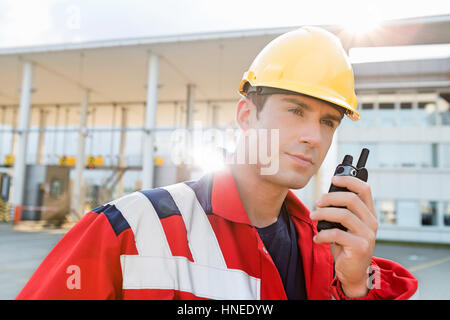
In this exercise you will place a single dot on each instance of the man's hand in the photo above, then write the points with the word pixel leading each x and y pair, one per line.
pixel 352 249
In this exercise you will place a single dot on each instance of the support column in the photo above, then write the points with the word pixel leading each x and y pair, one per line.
pixel 55 135
pixel 122 163
pixel 150 122
pixel 22 134
pixel 190 100
pixel 42 125
pixel 3 126
pixel 77 209
pixel 113 124
pixel 66 131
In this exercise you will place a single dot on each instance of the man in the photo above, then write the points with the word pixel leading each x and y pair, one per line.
pixel 241 233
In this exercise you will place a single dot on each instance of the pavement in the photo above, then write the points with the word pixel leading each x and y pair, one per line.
pixel 22 249
pixel 430 264
pixel 21 252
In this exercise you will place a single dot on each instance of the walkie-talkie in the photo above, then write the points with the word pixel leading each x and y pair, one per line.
pixel 346 169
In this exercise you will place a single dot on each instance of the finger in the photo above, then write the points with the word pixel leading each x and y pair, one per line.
pixel 344 217
pixel 359 187
pixel 342 238
pixel 352 202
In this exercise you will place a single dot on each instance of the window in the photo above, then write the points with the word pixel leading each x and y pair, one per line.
pixel 428 210
pixel 368 115
pixel 447 213
pixel 56 188
pixel 445 155
pixel 387 155
pixel 427 113
pixel 408 213
pixel 5 183
pixel 444 108
pixel 406 106
pixel 387 114
pixel 434 155
pixel 387 212
pixel 406 114
pixel 424 155
pixel 407 155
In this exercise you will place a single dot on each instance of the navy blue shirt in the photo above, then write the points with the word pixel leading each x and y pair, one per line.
pixel 280 240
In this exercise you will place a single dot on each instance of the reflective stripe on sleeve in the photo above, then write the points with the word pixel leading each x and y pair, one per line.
pixel 143 220
pixel 202 240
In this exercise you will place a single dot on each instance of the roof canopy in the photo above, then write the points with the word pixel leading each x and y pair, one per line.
pixel 116 71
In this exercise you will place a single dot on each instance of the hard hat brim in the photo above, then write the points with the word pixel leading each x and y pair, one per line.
pixel 312 91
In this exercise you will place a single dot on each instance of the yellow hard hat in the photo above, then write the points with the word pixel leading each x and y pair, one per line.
pixel 309 61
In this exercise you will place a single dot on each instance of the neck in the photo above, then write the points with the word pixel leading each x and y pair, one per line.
pixel 261 199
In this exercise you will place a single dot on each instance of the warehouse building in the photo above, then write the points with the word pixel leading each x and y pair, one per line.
pixel 119 104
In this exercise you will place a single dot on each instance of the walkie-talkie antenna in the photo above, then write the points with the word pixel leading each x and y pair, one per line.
pixel 362 158
pixel 348 159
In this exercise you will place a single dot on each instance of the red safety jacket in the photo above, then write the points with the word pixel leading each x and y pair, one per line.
pixel 191 240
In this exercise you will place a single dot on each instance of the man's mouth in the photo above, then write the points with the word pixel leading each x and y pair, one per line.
pixel 301 159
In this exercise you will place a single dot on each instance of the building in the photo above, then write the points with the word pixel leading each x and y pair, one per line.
pixel 119 103
pixel 406 124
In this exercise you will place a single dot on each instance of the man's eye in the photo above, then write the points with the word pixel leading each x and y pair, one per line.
pixel 328 123
pixel 297 111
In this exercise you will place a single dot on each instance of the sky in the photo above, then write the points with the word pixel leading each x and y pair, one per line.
pixel 31 22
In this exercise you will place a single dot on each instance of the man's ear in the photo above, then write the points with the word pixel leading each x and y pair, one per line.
pixel 243 113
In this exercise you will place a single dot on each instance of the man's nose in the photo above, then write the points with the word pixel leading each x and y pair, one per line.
pixel 310 133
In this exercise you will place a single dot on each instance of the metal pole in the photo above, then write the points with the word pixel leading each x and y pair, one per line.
pixel 42 125
pixel 150 122
pixel 66 132
pixel 3 126
pixel 77 194
pixel 55 134
pixel 122 163
pixel 24 121
pixel 14 136
pixel 190 105
pixel 190 100
pixel 113 123
pixel 92 140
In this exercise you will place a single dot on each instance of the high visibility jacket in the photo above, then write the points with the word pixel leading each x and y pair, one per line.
pixel 191 240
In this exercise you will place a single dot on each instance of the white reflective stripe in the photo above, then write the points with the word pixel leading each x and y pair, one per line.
pixel 178 273
pixel 202 240
pixel 144 221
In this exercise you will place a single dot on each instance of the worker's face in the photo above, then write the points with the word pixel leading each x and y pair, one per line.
pixel 305 128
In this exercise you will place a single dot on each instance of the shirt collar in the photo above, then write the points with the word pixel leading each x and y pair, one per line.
pixel 226 202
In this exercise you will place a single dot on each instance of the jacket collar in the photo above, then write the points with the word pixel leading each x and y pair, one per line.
pixel 226 201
